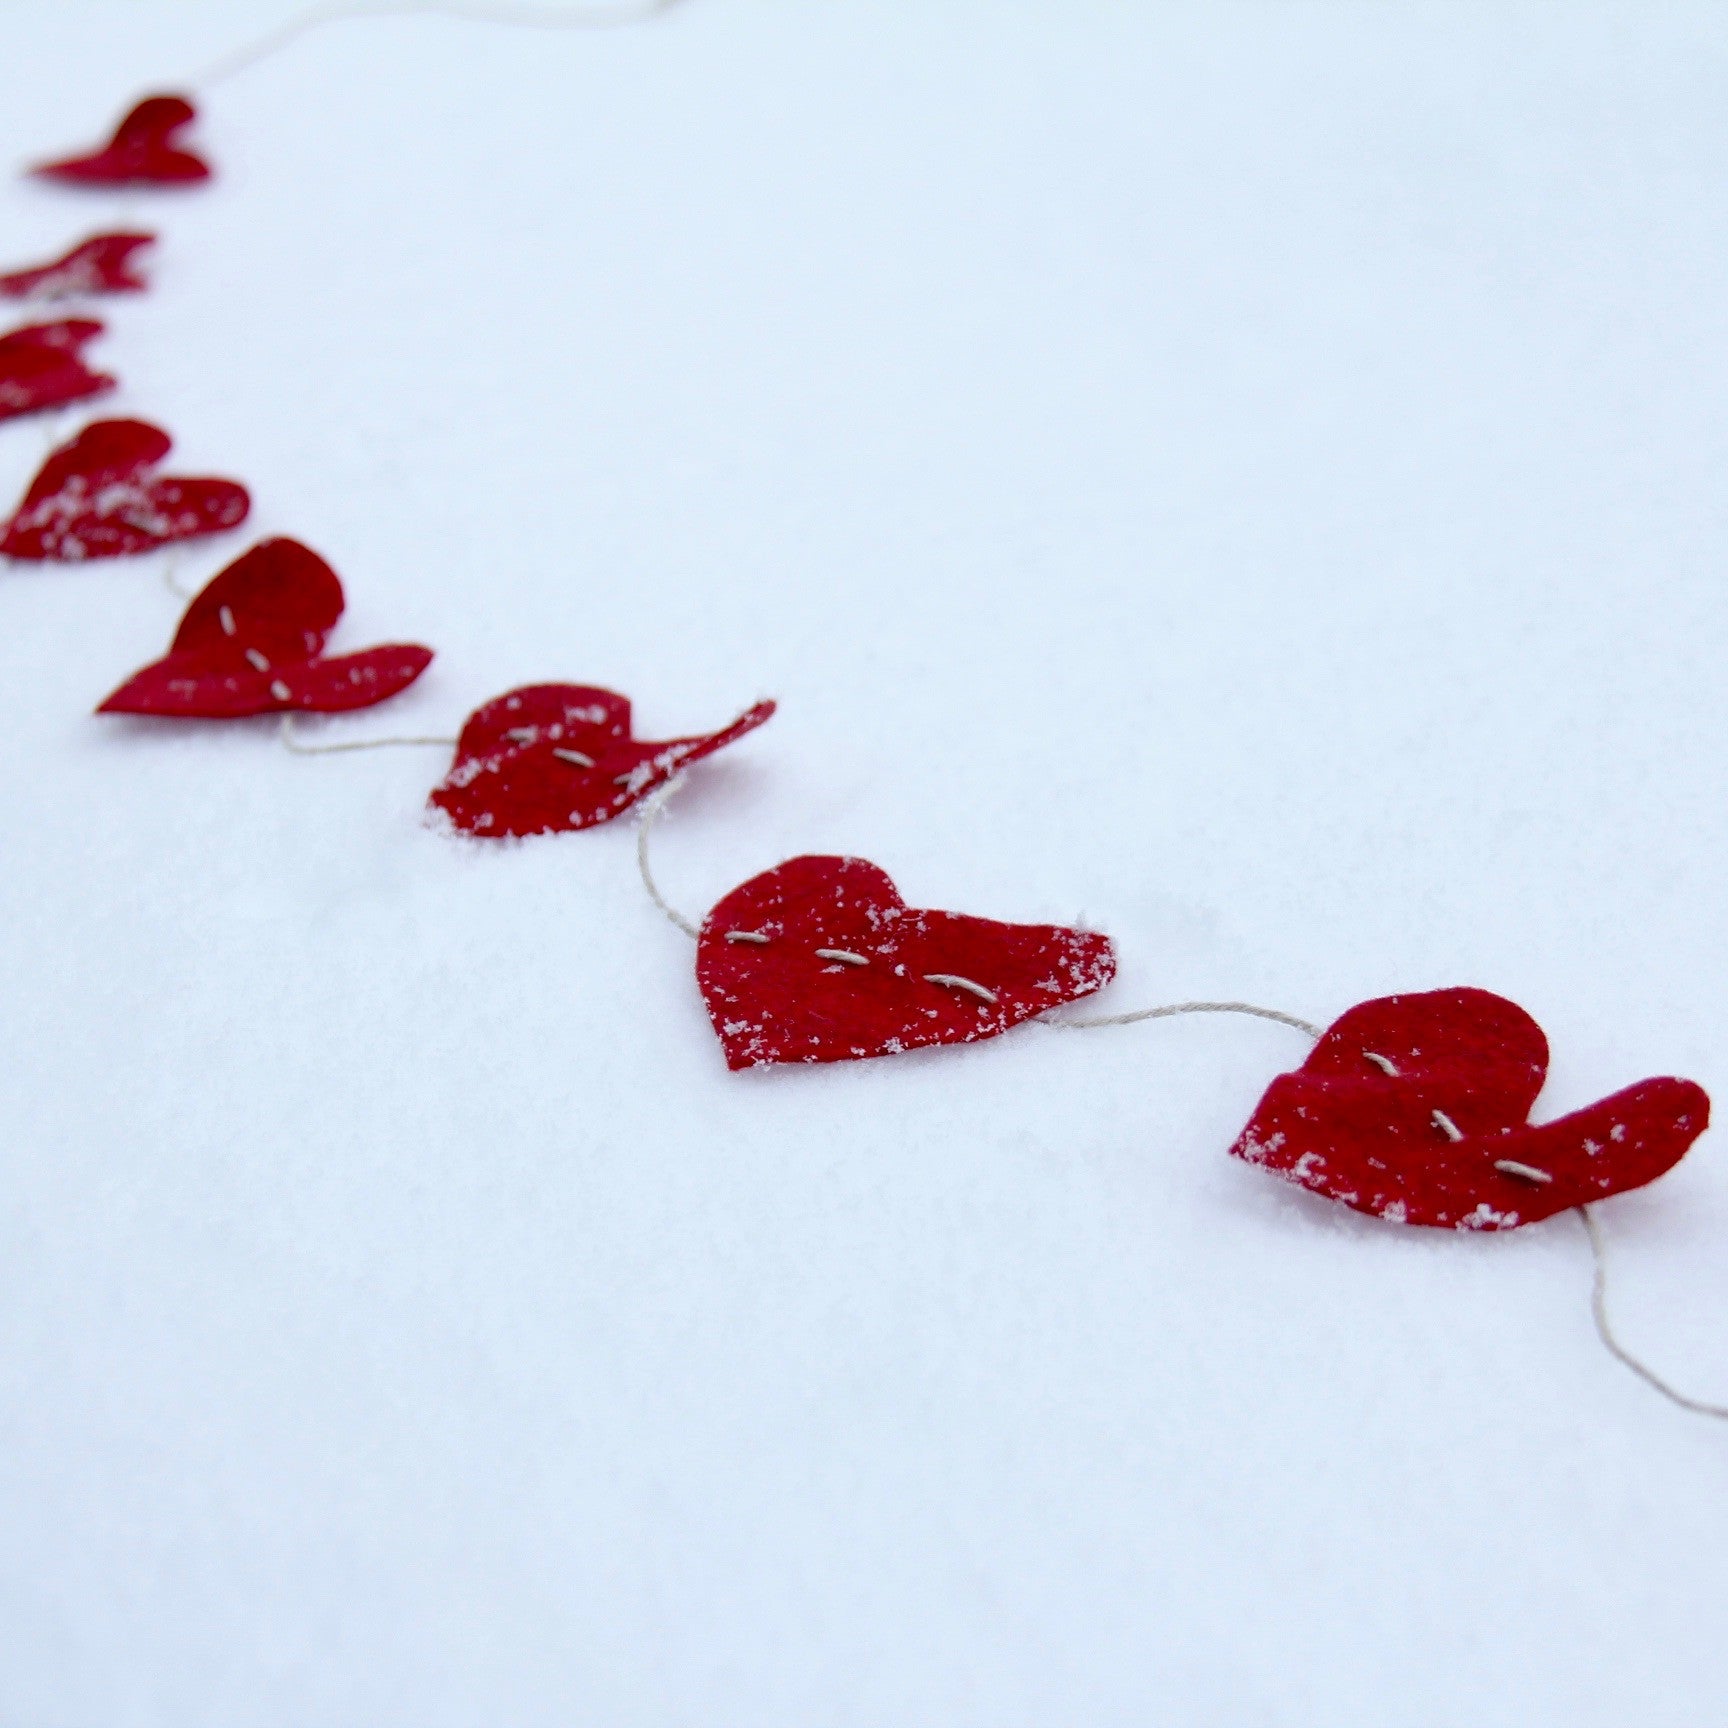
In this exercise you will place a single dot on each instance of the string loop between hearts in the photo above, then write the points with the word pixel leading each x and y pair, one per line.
pixel 171 576
pixel 1173 1008
pixel 651 808
pixel 300 748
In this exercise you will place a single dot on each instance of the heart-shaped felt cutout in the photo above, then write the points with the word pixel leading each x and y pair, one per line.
pixel 141 152
pixel 1416 1109
pixel 95 498
pixel 551 758
pixel 252 643
pixel 820 960
pixel 99 265
pixel 40 367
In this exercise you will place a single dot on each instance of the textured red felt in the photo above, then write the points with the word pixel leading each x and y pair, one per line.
pixel 141 152
pixel 100 265
pixel 551 758
pixel 252 643
pixel 1408 1104
pixel 778 998
pixel 95 498
pixel 40 366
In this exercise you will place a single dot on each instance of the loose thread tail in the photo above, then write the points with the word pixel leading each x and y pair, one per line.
pixel 1605 1330
pixel 651 808
pixel 527 16
pixel 1174 1008
pixel 301 748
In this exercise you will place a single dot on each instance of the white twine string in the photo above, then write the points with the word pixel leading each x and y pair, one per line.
pixel 1605 1330
pixel 1086 1024
pixel 171 576
pixel 340 11
pixel 300 748
pixel 651 808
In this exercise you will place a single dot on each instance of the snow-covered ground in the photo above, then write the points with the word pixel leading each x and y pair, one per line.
pixel 1250 476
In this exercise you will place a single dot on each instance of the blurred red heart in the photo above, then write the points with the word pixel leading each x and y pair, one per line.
pixel 1416 1109
pixel 141 152
pixel 552 758
pixel 820 960
pixel 40 366
pixel 253 641
pixel 99 265
pixel 93 499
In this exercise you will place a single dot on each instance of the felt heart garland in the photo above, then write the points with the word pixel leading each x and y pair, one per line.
pixel 100 265
pixel 1412 1108
pixel 252 643
pixel 141 152
pixel 94 498
pixel 820 960
pixel 41 367
pixel 1415 1109
pixel 553 758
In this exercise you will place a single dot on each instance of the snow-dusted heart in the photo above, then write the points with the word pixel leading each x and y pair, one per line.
pixel 1416 1108
pixel 550 758
pixel 97 498
pixel 820 960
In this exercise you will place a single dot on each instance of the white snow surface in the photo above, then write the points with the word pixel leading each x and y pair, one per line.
pixel 1248 476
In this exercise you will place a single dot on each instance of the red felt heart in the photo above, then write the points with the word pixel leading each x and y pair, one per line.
pixel 40 366
pixel 820 960
pixel 1416 1109
pixel 551 758
pixel 252 643
pixel 141 152
pixel 99 265
pixel 93 499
